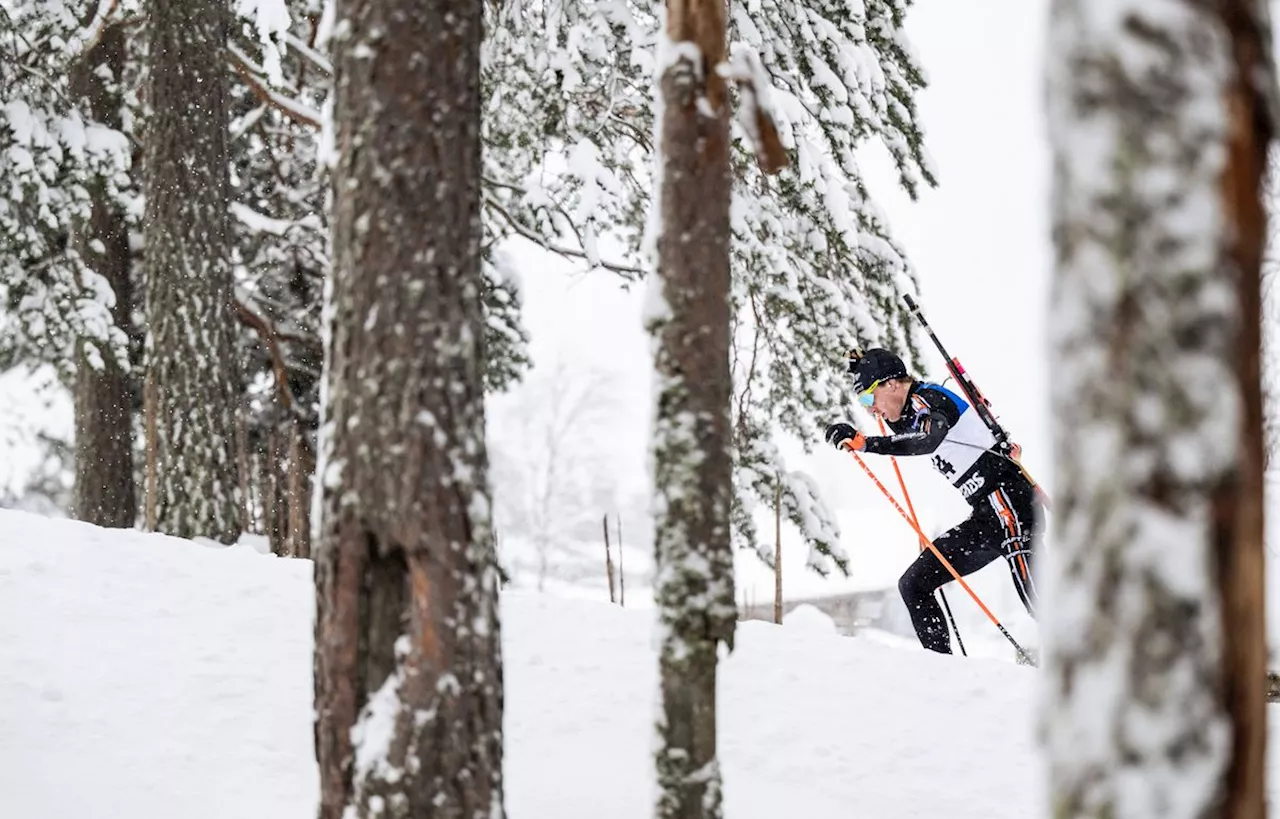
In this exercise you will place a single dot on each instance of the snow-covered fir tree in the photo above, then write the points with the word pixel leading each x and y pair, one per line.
pixel 66 212
pixel 53 156
pixel 1161 119
pixel 55 305
pixel 94 85
pixel 816 273
pixel 569 125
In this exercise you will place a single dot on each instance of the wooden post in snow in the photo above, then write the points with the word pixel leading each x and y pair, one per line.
pixel 608 558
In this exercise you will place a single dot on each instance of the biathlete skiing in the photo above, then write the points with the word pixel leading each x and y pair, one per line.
pixel 960 439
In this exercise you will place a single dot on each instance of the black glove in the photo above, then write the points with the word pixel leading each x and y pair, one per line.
pixel 837 434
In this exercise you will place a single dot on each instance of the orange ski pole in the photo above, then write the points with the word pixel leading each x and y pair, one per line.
pixel 915 520
pixel 1022 653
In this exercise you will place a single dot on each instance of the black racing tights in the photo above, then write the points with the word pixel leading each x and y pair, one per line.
pixel 1005 524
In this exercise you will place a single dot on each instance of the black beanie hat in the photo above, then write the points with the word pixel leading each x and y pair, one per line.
pixel 876 364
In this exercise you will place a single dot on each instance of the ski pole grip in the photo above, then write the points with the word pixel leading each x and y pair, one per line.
pixel 911 303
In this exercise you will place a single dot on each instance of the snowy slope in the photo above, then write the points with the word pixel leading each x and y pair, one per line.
pixel 143 676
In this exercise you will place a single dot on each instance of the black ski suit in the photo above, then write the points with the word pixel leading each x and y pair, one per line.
pixel 1006 520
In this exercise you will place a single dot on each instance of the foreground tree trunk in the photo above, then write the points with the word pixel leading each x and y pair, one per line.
pixel 1155 642
pixel 691 439
pixel 104 492
pixel 191 390
pixel 407 630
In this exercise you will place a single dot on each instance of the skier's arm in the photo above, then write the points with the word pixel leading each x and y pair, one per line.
pixel 922 441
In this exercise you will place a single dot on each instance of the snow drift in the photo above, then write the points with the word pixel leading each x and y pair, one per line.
pixel 143 676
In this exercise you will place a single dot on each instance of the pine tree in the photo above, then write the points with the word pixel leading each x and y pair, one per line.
pixel 52 156
pixel 192 380
pixel 408 663
pixel 65 289
pixel 1155 646
pixel 689 321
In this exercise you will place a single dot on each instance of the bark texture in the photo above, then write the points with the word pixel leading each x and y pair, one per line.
pixel 407 631
pixel 1239 505
pixel 1155 637
pixel 191 389
pixel 104 492
pixel 301 467
pixel 691 445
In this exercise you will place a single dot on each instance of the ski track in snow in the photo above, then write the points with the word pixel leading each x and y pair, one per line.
pixel 143 676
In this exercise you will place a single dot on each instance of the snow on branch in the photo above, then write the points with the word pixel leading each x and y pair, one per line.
pixel 317 59
pixel 803 503
pixel 761 476
pixel 97 25
pixel 299 113
pixel 569 252
pixel 271 19
pixel 755 108
pixel 261 223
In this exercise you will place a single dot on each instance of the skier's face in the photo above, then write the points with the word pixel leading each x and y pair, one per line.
pixel 889 398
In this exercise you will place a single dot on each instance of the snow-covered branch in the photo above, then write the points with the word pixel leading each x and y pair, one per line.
pixel 93 32
pixel 755 112
pixel 557 248
pixel 314 57
pixel 297 111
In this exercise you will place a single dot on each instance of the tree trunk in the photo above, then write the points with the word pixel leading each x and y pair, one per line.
pixel 1239 504
pixel 1155 650
pixel 406 571
pixel 244 468
pixel 692 469
pixel 192 387
pixel 274 500
pixel 301 467
pixel 608 559
pixel 104 482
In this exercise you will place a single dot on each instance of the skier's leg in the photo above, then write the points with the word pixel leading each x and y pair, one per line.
pixel 967 547
pixel 1018 519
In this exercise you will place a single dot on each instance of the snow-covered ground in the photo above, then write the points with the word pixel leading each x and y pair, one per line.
pixel 143 676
